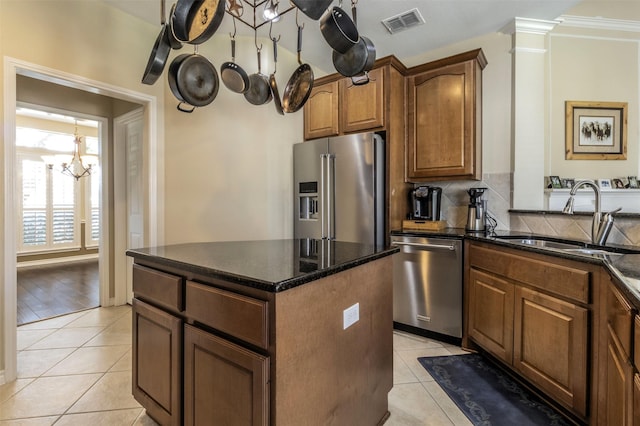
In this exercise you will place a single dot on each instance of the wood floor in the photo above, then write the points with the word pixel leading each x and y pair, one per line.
pixel 52 290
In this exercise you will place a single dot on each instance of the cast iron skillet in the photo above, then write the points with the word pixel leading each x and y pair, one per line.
pixel 300 83
pixel 193 80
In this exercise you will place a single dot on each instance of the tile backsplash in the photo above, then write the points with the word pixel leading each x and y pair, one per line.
pixel 626 229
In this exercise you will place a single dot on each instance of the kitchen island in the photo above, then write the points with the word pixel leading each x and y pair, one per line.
pixel 282 332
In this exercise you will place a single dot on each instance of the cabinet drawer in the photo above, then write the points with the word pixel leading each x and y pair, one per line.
pixel 162 288
pixel 240 316
pixel 620 318
pixel 563 280
pixel 636 349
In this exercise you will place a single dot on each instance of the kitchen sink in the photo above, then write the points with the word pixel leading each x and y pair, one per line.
pixel 566 246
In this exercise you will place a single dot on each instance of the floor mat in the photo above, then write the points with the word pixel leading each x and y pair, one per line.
pixel 488 396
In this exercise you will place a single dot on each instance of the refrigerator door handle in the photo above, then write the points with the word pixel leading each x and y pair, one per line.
pixel 323 201
pixel 330 163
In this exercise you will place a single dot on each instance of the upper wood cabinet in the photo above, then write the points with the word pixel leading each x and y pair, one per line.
pixel 445 118
pixel 339 106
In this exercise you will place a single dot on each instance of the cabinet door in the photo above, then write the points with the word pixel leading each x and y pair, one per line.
pixel 490 319
pixel 224 384
pixel 157 362
pixel 550 346
pixel 636 400
pixel 619 383
pixel 362 107
pixel 321 112
pixel 442 124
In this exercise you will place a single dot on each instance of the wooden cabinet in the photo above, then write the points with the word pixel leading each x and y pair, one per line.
pixel 619 389
pixel 157 362
pixel 341 107
pixel 532 313
pixel 551 346
pixel 444 101
pixel 224 383
pixel 490 313
pixel 321 111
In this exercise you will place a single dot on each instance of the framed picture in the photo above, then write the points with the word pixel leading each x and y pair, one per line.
pixel 568 182
pixel 596 130
pixel 618 184
pixel 633 182
pixel 604 183
pixel 555 182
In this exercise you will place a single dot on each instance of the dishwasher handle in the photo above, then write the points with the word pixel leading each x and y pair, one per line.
pixel 426 246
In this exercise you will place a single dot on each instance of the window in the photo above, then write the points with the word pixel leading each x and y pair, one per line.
pixel 53 205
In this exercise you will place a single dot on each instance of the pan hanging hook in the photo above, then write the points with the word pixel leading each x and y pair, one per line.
pixel 271 36
pixel 233 36
pixel 255 41
pixel 297 23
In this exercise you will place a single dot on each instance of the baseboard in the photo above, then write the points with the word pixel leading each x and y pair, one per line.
pixel 56 260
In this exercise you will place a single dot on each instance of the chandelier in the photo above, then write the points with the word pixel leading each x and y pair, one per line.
pixel 76 166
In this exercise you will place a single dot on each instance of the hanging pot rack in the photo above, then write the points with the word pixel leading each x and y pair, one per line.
pixel 235 8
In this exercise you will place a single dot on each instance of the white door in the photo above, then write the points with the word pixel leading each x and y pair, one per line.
pixel 130 211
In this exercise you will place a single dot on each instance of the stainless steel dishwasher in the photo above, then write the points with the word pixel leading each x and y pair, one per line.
pixel 427 284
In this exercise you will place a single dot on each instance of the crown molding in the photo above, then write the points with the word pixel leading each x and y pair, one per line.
pixel 599 23
pixel 530 26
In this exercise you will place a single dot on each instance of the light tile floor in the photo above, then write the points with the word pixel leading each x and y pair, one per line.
pixel 76 370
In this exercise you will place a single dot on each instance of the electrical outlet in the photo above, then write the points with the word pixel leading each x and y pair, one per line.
pixel 350 316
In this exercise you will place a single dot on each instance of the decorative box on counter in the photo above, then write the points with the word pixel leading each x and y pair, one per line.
pixel 423 225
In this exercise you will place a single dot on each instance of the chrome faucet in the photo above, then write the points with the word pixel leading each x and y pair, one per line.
pixel 601 224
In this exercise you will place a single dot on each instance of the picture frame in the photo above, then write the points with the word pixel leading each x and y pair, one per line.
pixel 596 130
pixel 568 182
pixel 633 182
pixel 604 183
pixel 555 181
pixel 618 184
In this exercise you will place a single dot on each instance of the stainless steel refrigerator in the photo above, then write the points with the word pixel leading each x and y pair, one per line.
pixel 339 189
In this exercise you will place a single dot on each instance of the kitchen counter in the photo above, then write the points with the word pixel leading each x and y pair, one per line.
pixel 625 266
pixel 271 265
pixel 303 328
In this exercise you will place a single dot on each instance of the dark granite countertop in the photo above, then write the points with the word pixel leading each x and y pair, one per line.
pixel 270 265
pixel 623 262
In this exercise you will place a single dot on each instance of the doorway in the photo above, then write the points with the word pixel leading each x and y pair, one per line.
pixel 113 291
pixel 58 208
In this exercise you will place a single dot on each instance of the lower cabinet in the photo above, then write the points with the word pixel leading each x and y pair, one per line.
pixel 636 400
pixel 224 384
pixel 157 362
pixel 619 389
pixel 520 309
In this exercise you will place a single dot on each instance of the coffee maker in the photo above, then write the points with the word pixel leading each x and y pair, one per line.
pixel 425 202
pixel 477 210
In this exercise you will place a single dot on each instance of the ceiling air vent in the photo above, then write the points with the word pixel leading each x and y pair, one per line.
pixel 403 21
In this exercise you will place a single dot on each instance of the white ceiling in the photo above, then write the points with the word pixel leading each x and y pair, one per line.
pixel 447 21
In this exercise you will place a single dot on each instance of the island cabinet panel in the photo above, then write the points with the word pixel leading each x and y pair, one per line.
pixel 541 322
pixel 240 316
pixel 321 113
pixel 444 118
pixel 323 369
pixel 490 313
pixel 636 400
pixel 224 384
pixel 157 362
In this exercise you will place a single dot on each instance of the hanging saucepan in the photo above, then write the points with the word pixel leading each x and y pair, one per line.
pixel 193 80
pixel 173 41
pixel 233 76
pixel 272 78
pixel 359 59
pixel 159 53
pixel 195 21
pixel 300 83
pixel 338 29
pixel 259 92
pixel 312 8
